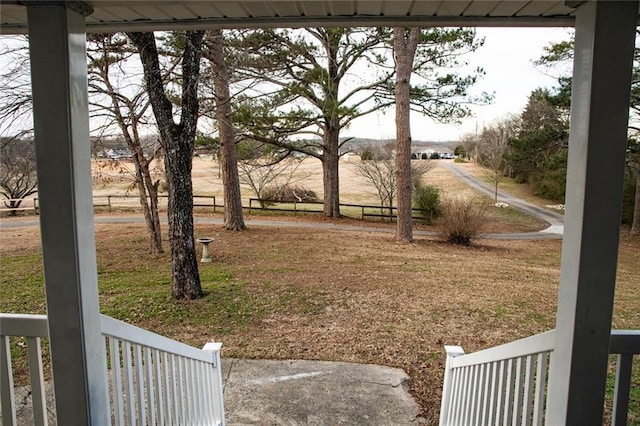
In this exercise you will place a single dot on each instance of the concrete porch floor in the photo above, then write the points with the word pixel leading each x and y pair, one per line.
pixel 265 392
pixel 291 393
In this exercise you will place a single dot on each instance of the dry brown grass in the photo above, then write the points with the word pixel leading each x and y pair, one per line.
pixel 353 187
pixel 334 295
pixel 393 304
pixel 352 296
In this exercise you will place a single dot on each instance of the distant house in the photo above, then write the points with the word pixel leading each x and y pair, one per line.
pixel 117 154
pixel 422 153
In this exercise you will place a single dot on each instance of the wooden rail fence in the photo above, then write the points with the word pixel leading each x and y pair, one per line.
pixel 115 201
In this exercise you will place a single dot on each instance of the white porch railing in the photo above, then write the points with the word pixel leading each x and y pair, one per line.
pixel 153 380
pixel 508 384
pixel 158 381
pixel 33 328
pixel 626 344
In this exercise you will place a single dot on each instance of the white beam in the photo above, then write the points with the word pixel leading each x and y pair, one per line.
pixel 604 38
pixel 61 124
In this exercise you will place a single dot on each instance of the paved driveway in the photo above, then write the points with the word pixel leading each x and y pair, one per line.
pixel 555 220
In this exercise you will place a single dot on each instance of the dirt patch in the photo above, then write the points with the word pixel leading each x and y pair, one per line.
pixel 19 241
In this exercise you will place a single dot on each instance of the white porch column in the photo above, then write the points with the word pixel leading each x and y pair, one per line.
pixel 605 34
pixel 61 122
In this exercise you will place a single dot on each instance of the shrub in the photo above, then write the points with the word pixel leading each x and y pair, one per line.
pixel 424 156
pixel 289 193
pixel 521 178
pixel 550 185
pixel 435 156
pixel 462 220
pixel 460 160
pixel 550 181
pixel 427 200
pixel 367 154
pixel 414 156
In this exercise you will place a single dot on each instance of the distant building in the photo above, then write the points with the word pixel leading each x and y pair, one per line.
pixel 116 154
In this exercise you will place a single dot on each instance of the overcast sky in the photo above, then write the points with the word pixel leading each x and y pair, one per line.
pixel 507 58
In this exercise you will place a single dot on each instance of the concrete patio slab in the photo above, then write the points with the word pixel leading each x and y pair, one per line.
pixel 266 392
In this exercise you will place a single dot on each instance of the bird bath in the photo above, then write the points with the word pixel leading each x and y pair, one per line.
pixel 206 256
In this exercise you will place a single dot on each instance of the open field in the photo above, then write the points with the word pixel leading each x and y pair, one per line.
pixel 353 187
pixel 283 293
pixel 354 190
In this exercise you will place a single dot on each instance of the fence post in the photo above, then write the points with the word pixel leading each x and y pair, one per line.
pixel 621 391
pixel 295 208
pixel 7 396
pixel 452 352
pixel 109 202
pixel 214 348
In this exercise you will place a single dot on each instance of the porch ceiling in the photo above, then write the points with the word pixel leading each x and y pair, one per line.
pixel 115 15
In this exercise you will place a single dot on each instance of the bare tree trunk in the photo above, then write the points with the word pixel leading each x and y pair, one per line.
pixel 405 42
pixel 128 119
pixel 492 145
pixel 184 264
pixel 178 143
pixel 330 178
pixel 154 223
pixel 146 188
pixel 149 201
pixel 233 217
pixel 635 227
pixel 331 131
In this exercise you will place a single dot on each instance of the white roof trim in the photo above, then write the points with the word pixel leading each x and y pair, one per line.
pixel 151 15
